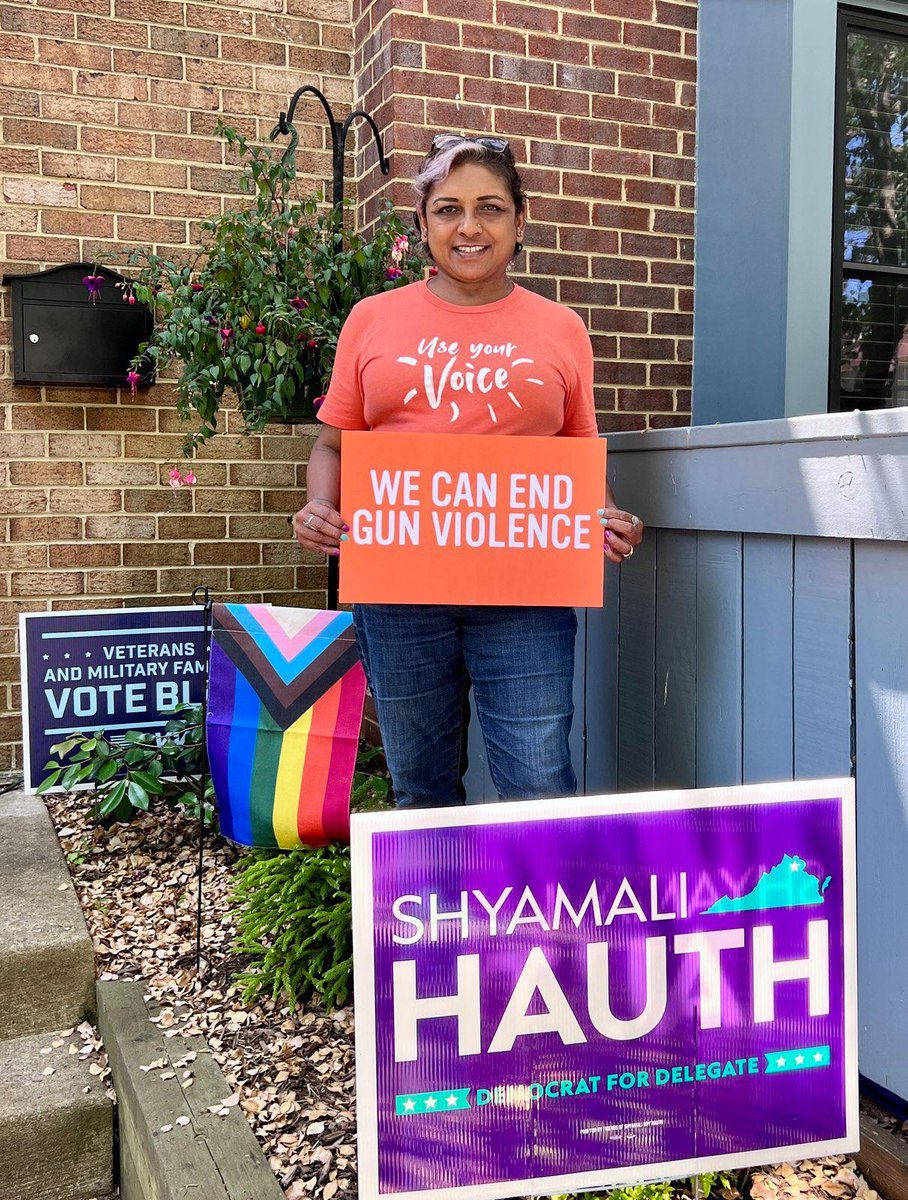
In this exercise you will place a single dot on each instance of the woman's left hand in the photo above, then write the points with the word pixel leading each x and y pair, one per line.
pixel 622 533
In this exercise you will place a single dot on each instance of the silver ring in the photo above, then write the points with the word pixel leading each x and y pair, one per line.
pixel 630 552
pixel 635 521
pixel 308 522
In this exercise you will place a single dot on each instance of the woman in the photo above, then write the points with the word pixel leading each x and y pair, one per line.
pixel 421 659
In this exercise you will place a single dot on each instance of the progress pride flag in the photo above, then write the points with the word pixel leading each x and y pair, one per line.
pixel 667 989
pixel 472 519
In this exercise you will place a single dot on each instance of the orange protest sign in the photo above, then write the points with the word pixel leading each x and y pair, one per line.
pixel 471 519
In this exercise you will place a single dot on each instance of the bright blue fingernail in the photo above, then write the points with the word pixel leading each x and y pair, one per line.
pixel 345 537
pixel 600 512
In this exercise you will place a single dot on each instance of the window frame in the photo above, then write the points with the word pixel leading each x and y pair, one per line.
pixel 849 19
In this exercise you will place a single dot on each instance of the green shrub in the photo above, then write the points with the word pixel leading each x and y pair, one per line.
pixel 130 773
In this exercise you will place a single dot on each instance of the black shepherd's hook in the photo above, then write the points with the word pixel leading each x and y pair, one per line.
pixel 201 595
pixel 339 133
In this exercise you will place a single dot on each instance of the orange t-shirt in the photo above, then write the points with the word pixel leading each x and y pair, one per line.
pixel 407 360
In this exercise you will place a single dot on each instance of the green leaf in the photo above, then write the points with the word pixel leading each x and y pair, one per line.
pixel 107 770
pixel 113 798
pixel 138 797
pixel 47 783
pixel 147 782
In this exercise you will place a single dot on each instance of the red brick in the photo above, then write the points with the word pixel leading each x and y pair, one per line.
pixel 183 95
pixel 512 121
pixel 75 54
pixel 622 162
pixel 38 474
pixel 621 58
pixel 19 162
pixel 596 133
pixel 592 29
pixel 684 15
pixel 567 212
pixel 492 37
pixel 27 19
pixel 522 70
pixel 675 67
pixel 677 274
pixel 605 267
pixel 525 16
pixel 673 322
pixel 648 191
pixel 584 79
pixel 85 556
pixel 652 37
pixel 159 174
pixel 619 108
pixel 117 87
pixel 115 529
pixel 79 110
pixel 597 187
pixel 19 104
pixel 647 296
pixel 24 500
pixel 671 116
pixel 42 416
pixel 586 291
pixel 46 583
pixel 670 374
pixel 553 100
pixel 155 554
pixel 558 154
pixel 208 528
pixel 673 168
pixel 588 240
pixel 669 420
pixel 674 222
pixel 487 91
pixel 480 11
pixel 119 200
pixel 638 10
pixel 558 49
pixel 44 133
pixel 641 137
pixel 253 50
pixel 19 46
pixel 36 77
pixel 644 87
pixel 187 149
pixel 44 529
pixel 30 557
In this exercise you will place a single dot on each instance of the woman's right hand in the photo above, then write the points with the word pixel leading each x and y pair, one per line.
pixel 319 526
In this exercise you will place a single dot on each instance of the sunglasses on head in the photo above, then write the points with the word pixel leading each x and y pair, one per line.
pixel 441 141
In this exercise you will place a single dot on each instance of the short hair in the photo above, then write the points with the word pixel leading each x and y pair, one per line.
pixel 437 166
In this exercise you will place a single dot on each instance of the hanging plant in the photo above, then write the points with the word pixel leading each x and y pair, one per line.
pixel 258 309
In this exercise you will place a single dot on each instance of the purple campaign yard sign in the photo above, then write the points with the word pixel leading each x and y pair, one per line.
pixel 568 994
pixel 113 669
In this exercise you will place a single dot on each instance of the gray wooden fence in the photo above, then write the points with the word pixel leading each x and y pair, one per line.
pixel 761 633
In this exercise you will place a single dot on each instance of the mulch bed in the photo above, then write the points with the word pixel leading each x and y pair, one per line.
pixel 292 1072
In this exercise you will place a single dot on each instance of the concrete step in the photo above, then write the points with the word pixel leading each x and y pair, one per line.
pixel 56 1137
pixel 47 970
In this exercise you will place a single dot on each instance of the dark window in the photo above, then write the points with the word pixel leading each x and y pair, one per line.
pixel 869 351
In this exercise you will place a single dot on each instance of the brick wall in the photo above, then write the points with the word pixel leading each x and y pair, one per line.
pixel 597 98
pixel 107 110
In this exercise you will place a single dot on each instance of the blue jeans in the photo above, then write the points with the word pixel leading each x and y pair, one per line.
pixel 420 660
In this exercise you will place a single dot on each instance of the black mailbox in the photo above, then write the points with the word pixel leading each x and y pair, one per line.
pixel 62 333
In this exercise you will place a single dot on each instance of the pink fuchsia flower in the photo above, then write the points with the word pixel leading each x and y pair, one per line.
pixel 260 328
pixel 393 273
pixel 312 344
pixel 226 335
pixel 400 247
pixel 318 401
pixel 93 283
pixel 197 287
pixel 178 480
pixel 299 303
pixel 433 270
pixel 133 378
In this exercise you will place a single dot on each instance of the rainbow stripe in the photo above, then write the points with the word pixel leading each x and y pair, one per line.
pixel 285 702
